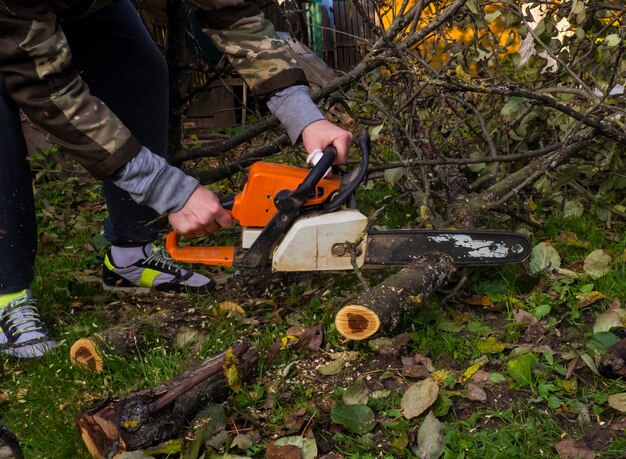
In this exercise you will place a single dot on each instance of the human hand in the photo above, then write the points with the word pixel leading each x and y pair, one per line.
pixel 322 133
pixel 202 214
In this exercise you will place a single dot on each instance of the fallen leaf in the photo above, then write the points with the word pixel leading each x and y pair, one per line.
pixel 311 338
pixel 601 342
pixel 402 340
pixel 573 449
pixel 430 443
pixel 358 419
pixel 490 345
pixel 187 336
pixel 544 257
pixel 231 370
pixel 479 300
pixel 231 306
pixel 480 376
pixel 422 360
pixel 357 394
pixel 570 385
pixel 378 343
pixel 282 452
pixel 332 368
pixel 521 368
pixel 476 393
pixel 273 351
pixel 618 402
pixel 607 320
pixel 307 445
pixel 415 371
pixel 523 318
pixel 296 330
pixel 451 326
pixel 380 394
pixel 440 376
pixel 570 239
pixel 295 421
pixel 418 397
pixel 586 299
pixel 597 264
pixel 591 364
pixel 473 369
pixel 242 441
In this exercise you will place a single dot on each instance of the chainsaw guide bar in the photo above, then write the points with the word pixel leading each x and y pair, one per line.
pixel 466 248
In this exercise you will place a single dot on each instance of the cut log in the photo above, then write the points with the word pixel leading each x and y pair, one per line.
pixel 85 353
pixel 128 337
pixel 150 416
pixel 382 307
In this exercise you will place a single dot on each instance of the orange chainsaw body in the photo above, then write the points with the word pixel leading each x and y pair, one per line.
pixel 254 207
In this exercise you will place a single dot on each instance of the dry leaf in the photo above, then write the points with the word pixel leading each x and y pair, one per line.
pixel 586 299
pixel 618 402
pixel 573 449
pixel 430 438
pixel 419 397
pixel 597 263
pixel 476 393
pixel 283 452
pixel 479 300
pixel 311 338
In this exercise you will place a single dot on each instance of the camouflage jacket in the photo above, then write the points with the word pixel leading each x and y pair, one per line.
pixel 35 62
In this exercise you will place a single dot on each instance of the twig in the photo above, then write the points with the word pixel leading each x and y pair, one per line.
pixel 455 290
pixel 355 267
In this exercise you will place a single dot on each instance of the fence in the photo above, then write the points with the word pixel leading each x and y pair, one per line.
pixel 339 36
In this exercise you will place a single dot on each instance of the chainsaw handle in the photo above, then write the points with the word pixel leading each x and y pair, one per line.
pixel 171 241
pixel 358 174
pixel 319 170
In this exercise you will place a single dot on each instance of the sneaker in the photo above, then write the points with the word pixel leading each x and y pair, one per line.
pixel 22 333
pixel 155 271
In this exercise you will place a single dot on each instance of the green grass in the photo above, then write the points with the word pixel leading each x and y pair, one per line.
pixel 42 399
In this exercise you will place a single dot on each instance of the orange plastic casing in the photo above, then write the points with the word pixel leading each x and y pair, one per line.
pixel 254 206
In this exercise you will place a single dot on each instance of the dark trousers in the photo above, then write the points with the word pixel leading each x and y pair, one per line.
pixel 117 58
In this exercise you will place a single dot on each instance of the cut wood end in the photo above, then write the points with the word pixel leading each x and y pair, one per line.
pixel 84 352
pixel 100 436
pixel 357 322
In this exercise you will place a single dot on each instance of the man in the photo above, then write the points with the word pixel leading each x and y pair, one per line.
pixel 87 72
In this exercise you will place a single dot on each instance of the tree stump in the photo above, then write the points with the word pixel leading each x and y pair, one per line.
pixel 144 418
pixel 382 307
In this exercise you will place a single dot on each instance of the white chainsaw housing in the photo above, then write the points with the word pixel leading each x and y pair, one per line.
pixel 308 245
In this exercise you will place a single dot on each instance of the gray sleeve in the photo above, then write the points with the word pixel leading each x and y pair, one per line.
pixel 295 110
pixel 151 181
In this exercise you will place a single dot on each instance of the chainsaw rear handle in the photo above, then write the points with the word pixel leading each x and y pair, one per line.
pixel 357 175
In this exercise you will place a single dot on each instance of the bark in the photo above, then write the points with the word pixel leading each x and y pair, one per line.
pixel 465 212
pixel 141 419
pixel 383 306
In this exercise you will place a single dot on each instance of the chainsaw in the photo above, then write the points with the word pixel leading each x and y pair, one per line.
pixel 298 219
